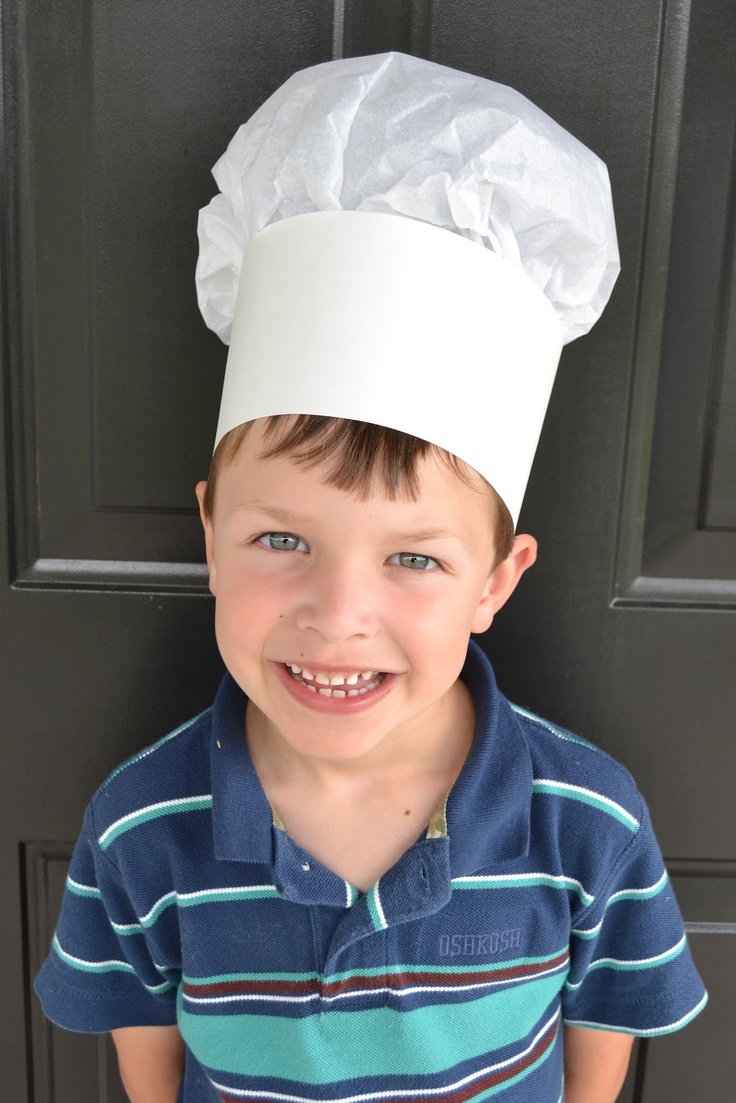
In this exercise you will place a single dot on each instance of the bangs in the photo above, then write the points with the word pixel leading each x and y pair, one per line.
pixel 358 458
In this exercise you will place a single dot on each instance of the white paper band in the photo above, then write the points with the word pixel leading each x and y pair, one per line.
pixel 385 319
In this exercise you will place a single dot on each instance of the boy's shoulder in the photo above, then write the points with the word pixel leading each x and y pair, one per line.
pixel 586 813
pixel 568 765
pixel 169 775
pixel 558 762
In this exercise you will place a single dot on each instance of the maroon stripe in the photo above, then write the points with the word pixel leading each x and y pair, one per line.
pixel 462 1095
pixel 358 982
pixel 409 979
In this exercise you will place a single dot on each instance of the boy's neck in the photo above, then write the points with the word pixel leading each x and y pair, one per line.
pixel 435 744
pixel 358 817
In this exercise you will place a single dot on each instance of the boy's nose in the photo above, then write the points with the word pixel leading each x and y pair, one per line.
pixel 339 604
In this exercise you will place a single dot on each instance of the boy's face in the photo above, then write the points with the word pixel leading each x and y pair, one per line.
pixel 376 597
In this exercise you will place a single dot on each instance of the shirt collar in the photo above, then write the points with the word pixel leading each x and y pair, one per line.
pixel 489 808
pixel 241 813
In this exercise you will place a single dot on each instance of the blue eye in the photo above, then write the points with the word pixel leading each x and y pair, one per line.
pixel 282 541
pixel 415 562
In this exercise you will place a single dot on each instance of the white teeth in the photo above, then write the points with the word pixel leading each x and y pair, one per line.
pixel 325 682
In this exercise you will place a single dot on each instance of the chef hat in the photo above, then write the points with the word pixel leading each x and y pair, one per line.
pixel 326 262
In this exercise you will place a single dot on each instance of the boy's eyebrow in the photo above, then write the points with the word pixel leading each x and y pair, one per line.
pixel 287 516
pixel 293 518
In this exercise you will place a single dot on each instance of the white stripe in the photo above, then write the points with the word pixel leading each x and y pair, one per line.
pixel 349 893
pixel 93 964
pixel 251 997
pixel 587 930
pixel 153 748
pixel 229 889
pixel 162 899
pixel 641 960
pixel 91 889
pixel 122 964
pixel 409 1093
pixel 159 987
pixel 636 1030
pixel 572 986
pixel 559 732
pixel 628 893
pixel 379 905
pixel 588 793
pixel 202 894
pixel 122 927
pixel 181 801
pixel 651 890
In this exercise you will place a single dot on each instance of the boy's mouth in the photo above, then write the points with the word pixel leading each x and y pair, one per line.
pixel 351 683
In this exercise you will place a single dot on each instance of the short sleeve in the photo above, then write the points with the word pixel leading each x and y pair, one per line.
pixel 630 964
pixel 101 972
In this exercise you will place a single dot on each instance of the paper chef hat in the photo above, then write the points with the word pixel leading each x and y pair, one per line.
pixel 406 244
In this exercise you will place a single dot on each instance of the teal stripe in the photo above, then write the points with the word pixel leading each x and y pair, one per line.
pixel 522 881
pixel 330 1045
pixel 624 894
pixel 592 932
pixel 86 891
pixel 91 966
pixel 373 900
pixel 154 747
pixel 640 894
pixel 584 796
pixel 153 812
pixel 561 733
pixel 98 967
pixel 636 966
pixel 193 900
pixel 653 1033
pixel 630 966
pixel 377 971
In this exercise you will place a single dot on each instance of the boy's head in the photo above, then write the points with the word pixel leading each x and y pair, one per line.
pixel 344 611
pixel 395 244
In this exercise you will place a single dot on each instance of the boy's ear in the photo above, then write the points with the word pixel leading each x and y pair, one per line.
pixel 503 580
pixel 209 535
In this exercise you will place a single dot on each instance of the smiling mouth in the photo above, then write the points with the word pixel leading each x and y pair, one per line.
pixel 350 684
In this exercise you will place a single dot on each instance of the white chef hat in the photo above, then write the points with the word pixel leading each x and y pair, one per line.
pixel 333 305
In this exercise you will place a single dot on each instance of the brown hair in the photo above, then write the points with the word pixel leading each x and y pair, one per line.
pixel 356 454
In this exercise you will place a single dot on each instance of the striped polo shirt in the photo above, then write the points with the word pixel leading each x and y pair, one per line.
pixel 536 897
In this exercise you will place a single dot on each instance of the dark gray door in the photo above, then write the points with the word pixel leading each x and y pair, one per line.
pixel 626 629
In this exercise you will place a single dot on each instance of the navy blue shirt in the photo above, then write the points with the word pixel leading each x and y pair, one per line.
pixel 537 896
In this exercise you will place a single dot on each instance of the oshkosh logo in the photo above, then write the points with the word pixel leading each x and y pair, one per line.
pixel 477 945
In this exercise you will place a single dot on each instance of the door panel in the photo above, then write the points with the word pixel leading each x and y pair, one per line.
pixel 625 629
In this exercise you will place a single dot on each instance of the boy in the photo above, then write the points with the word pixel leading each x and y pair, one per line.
pixel 364 874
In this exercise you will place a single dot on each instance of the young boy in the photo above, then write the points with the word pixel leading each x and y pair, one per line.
pixel 363 874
